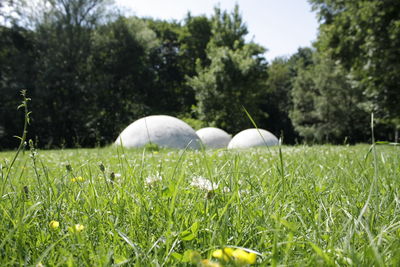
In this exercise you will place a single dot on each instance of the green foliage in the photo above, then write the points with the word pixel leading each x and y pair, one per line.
pixel 169 94
pixel 194 39
pixel 16 59
pixel 228 30
pixel 181 46
pixel 365 37
pixel 61 91
pixel 121 81
pixel 326 108
pixel 234 78
pixel 90 73
pixel 277 100
pixel 196 124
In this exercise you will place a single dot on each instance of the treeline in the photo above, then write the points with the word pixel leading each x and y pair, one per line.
pixel 91 71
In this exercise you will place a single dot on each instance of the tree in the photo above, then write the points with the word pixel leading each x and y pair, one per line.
pixel 16 59
pixel 326 108
pixel 235 77
pixel 232 81
pixel 180 47
pixel 120 76
pixel 228 30
pixel 277 100
pixel 168 96
pixel 62 95
pixel 365 37
pixel 194 38
pixel 303 92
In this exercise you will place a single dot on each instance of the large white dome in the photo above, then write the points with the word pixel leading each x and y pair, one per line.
pixel 252 138
pixel 214 137
pixel 165 131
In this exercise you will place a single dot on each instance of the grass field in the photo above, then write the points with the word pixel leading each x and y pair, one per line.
pixel 308 206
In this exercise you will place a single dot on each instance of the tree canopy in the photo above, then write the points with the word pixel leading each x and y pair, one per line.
pixel 364 36
pixel 235 77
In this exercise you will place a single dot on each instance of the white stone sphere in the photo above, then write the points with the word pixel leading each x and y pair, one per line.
pixel 253 138
pixel 165 131
pixel 214 137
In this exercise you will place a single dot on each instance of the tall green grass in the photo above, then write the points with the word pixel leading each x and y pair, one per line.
pixel 142 208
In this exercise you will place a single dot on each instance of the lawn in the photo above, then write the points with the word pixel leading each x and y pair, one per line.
pixel 306 206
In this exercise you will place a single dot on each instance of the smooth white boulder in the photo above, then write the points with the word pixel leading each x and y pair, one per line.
pixel 214 137
pixel 253 138
pixel 165 131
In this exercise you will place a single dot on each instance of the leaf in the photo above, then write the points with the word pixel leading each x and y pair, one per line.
pixel 194 228
pixel 187 235
pixel 190 233
pixel 177 255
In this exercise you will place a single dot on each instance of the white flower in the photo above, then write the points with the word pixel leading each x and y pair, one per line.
pixel 153 179
pixel 226 189
pixel 203 183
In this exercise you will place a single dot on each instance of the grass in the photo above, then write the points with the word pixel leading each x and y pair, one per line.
pixel 311 207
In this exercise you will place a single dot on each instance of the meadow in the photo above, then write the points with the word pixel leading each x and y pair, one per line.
pixel 294 206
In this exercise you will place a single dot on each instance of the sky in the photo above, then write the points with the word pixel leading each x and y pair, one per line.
pixel 281 26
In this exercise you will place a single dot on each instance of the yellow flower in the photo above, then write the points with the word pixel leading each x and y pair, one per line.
pixel 244 257
pixel 76 228
pixel 208 263
pixel 54 225
pixel 77 179
pixel 79 227
pixel 239 256
pixel 224 254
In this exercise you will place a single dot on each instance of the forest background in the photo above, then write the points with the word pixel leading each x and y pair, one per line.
pixel 90 70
